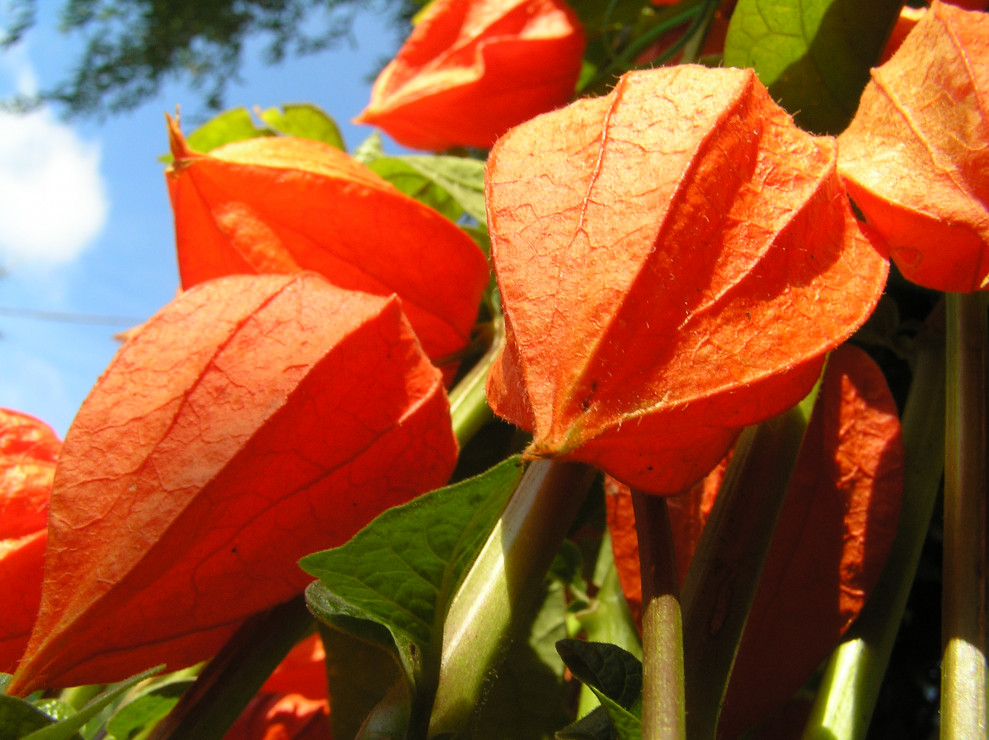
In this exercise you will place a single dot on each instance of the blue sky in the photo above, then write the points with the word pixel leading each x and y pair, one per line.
pixel 85 224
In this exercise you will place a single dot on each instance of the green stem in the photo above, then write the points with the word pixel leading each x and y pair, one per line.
pixel 963 664
pixel 607 619
pixel 693 41
pixel 233 677
pixel 469 408
pixel 729 560
pixel 853 677
pixel 696 12
pixel 663 706
pixel 499 592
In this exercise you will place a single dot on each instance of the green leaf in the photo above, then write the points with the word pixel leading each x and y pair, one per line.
pixel 55 708
pixel 338 613
pixel 369 149
pixel 19 718
pixel 483 240
pixel 813 55
pixel 359 675
pixel 627 722
pixel 608 669
pixel 596 15
pixel 568 569
pixel 450 185
pixel 399 574
pixel 461 177
pixel 414 184
pixel 594 726
pixel 304 120
pixel 226 128
pixel 68 728
pixel 137 718
pixel 607 617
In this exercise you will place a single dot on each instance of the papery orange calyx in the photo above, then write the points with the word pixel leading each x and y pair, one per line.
pixel 302 671
pixel 253 420
pixel 674 260
pixel 832 538
pixel 472 69
pixel 915 158
pixel 282 717
pixel 283 205
pixel 28 450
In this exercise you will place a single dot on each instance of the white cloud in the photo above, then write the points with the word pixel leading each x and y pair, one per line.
pixel 53 200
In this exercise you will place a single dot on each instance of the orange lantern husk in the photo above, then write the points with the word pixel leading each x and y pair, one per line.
pixel 472 69
pixel 253 420
pixel 915 158
pixel 834 532
pixel 28 451
pixel 279 205
pixel 675 260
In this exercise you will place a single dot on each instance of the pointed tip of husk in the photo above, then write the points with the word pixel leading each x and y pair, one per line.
pixel 23 685
pixel 364 118
pixel 176 141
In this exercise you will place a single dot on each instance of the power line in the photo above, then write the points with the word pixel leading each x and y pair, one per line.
pixel 69 318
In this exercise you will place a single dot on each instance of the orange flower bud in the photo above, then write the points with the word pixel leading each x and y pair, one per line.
pixel 472 69
pixel 28 450
pixel 282 205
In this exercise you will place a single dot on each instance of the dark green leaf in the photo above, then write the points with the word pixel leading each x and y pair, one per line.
pixel 359 675
pixel 568 566
pixel 607 669
pixel 813 55
pixel 407 563
pixel 627 722
pixel 595 726
pixel 18 718
pixel 304 120
pixel 345 617
pixel 68 728
pixel 596 15
pixel 607 617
